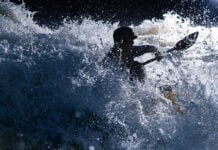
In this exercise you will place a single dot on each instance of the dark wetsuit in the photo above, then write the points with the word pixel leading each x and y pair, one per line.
pixel 126 60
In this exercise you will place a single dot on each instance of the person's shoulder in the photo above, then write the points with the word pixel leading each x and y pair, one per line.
pixel 111 54
pixel 109 58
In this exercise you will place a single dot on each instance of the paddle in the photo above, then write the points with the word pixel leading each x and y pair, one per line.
pixel 183 44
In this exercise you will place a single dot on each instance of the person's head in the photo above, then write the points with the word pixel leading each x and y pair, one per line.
pixel 124 35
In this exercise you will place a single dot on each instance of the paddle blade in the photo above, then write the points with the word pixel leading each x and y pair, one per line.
pixel 186 42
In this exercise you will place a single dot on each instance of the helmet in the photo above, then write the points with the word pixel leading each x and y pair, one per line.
pixel 123 33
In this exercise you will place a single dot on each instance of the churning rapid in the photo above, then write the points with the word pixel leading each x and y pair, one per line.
pixel 55 93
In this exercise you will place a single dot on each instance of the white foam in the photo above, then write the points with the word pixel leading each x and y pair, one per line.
pixel 136 106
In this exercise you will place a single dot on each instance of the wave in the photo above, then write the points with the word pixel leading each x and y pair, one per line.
pixel 55 93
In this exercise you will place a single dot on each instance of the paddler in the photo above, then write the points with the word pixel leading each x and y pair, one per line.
pixel 123 53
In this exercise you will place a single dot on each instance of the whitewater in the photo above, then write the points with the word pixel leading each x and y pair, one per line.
pixel 56 94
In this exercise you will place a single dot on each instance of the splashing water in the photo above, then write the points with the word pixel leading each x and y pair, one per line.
pixel 55 94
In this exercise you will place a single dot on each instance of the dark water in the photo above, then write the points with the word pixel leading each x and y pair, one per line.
pixel 126 12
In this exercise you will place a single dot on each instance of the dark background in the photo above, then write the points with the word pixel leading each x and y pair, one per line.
pixel 52 12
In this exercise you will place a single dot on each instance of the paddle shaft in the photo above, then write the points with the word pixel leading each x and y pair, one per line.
pixel 154 59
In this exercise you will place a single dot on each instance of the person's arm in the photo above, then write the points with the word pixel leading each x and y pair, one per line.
pixel 140 50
